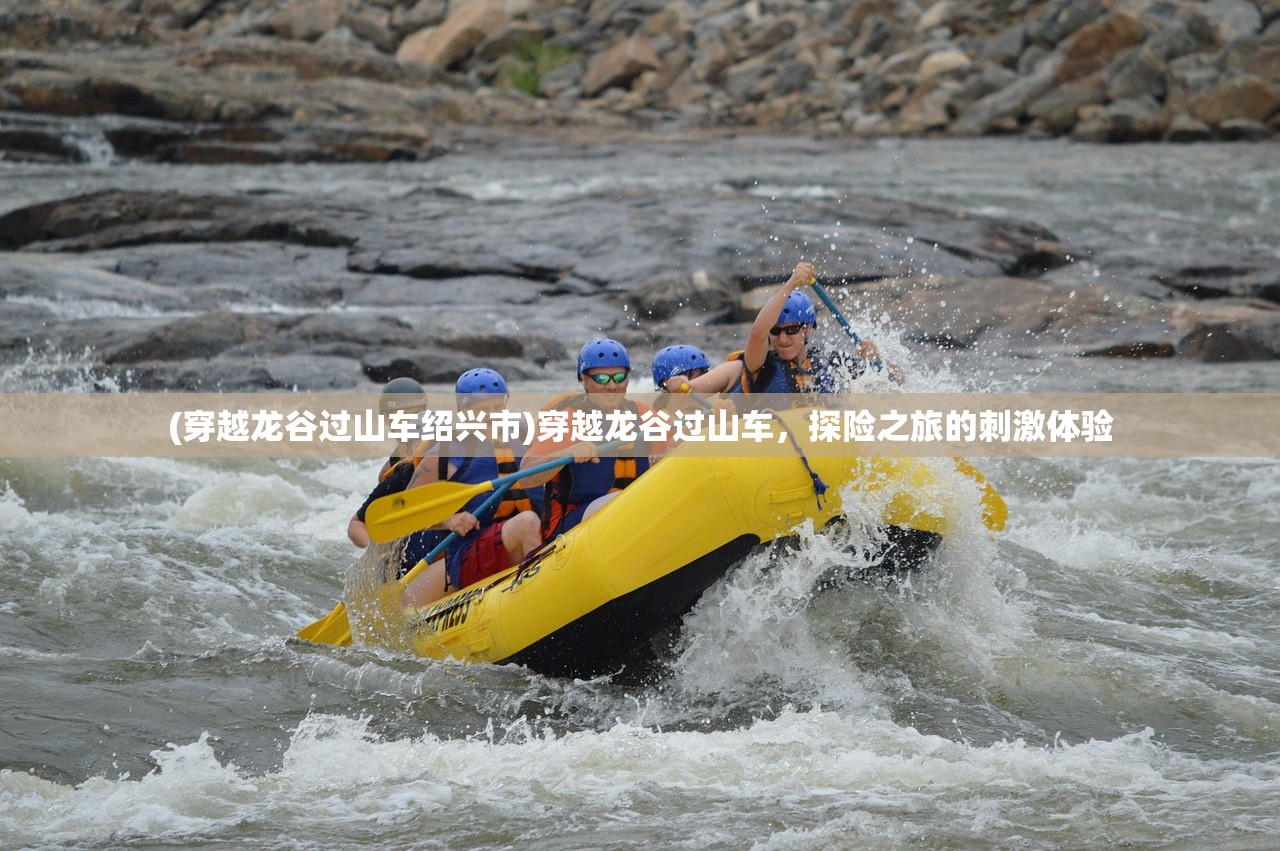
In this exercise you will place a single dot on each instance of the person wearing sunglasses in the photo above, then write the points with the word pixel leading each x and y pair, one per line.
pixel 577 490
pixel 778 357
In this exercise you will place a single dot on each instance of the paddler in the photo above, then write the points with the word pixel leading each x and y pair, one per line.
pixel 577 490
pixel 400 396
pixel 778 357
pixel 486 545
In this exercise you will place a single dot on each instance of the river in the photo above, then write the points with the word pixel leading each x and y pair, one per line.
pixel 1105 672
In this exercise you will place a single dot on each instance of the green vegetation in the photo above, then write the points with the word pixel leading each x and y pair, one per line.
pixel 531 60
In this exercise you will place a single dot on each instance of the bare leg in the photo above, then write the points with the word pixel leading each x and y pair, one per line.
pixel 521 535
pixel 426 587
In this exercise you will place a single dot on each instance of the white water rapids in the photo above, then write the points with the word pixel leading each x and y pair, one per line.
pixel 1103 673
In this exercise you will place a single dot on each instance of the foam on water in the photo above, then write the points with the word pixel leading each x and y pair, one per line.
pixel 1102 674
pixel 819 773
pixel 243 500
pixel 13 513
pixel 765 625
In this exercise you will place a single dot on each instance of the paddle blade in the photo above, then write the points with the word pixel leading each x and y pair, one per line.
pixel 334 628
pixel 994 512
pixel 404 513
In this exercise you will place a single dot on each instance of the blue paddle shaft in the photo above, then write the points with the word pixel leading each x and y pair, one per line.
pixel 501 486
pixel 481 510
pixel 844 323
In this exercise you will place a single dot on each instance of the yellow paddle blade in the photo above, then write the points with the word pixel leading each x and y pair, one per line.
pixel 399 514
pixel 334 628
pixel 994 512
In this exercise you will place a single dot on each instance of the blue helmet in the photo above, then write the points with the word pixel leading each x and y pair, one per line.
pixel 674 360
pixel 476 383
pixel 798 308
pixel 602 352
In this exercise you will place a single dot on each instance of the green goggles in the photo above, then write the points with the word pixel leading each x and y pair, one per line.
pixel 603 378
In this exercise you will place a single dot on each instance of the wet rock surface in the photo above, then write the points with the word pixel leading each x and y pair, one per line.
pixel 248 289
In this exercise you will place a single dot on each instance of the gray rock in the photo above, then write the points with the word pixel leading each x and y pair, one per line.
pixel 310 372
pixel 1184 128
pixel 1031 59
pixel 1135 120
pixel 116 218
pixel 1143 73
pixel 1137 350
pixel 1244 130
pixel 559 81
pixel 1008 103
pixel 981 84
pixel 539 262
pixel 743 81
pixel 1222 344
pixel 430 365
pixel 792 76
pixel 1223 281
pixel 1059 109
pixel 202 336
pixel 1005 47
pixel 1233 18
pixel 662 298
pixel 1062 18
pixel 361 329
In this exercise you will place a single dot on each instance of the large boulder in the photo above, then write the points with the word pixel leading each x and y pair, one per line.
pixel 451 42
pixel 620 64
pixel 1235 97
pixel 1059 109
pixel 1009 103
pixel 1233 18
pixel 664 297
pixel 1062 18
pixel 1135 120
pixel 201 336
pixel 305 20
pixel 1096 44
pixel 943 63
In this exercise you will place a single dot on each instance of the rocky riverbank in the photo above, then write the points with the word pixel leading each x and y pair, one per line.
pixel 220 287
pixel 374 80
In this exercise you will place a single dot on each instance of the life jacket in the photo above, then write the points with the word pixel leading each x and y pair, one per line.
pixel 397 477
pixel 474 470
pixel 810 375
pixel 574 486
pixel 414 458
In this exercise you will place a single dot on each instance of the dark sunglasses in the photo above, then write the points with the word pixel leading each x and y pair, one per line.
pixel 789 330
pixel 603 378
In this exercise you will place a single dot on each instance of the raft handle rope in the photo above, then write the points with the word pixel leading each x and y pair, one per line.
pixel 819 486
pixel 533 559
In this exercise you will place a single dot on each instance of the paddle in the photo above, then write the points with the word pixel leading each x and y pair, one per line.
pixel 844 323
pixel 404 513
pixel 994 511
pixel 335 627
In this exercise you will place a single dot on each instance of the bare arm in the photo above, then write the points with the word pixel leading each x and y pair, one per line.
pixel 585 451
pixel 758 337
pixel 719 379
pixel 427 472
pixel 357 532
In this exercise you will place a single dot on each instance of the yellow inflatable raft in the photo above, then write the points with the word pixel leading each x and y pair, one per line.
pixel 639 564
